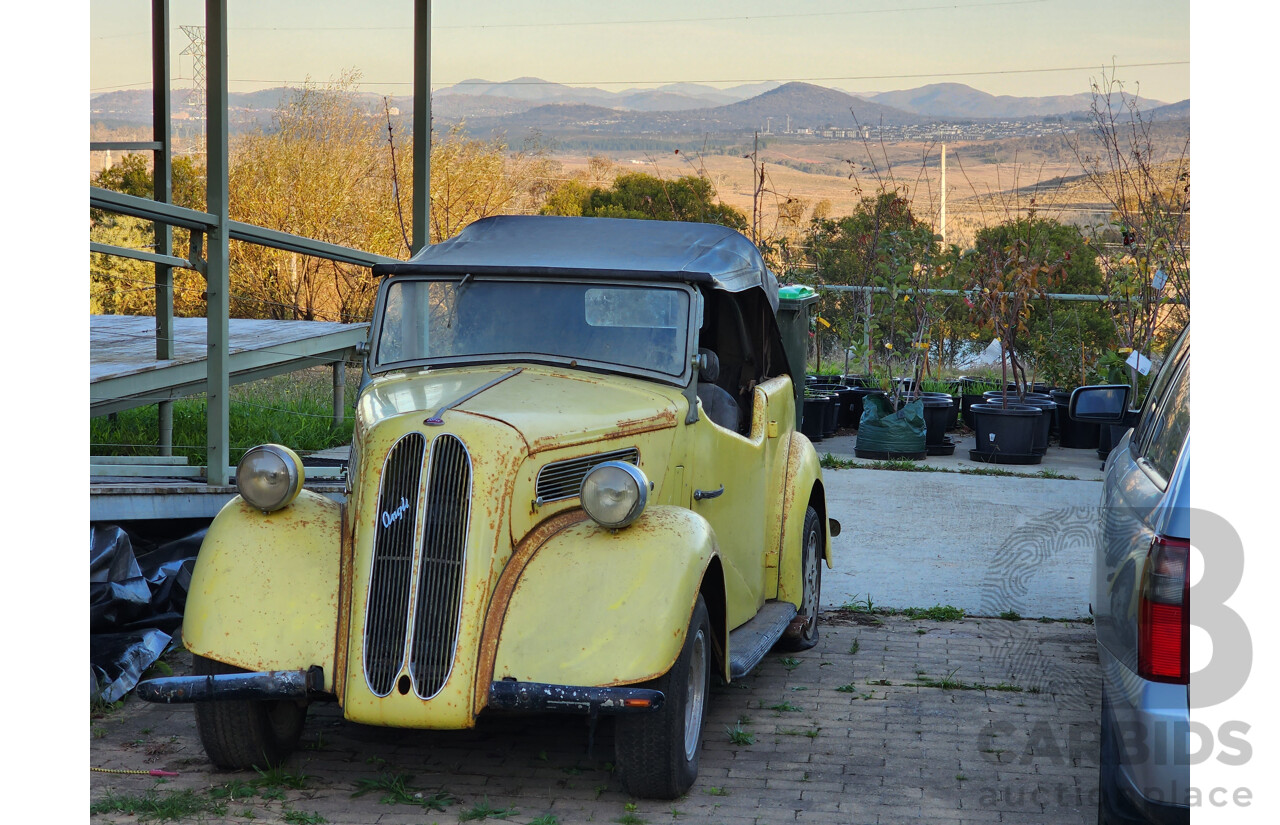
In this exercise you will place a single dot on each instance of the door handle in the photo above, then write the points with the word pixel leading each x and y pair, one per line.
pixel 700 495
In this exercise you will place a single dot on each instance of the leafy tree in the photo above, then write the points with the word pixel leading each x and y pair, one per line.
pixel 645 197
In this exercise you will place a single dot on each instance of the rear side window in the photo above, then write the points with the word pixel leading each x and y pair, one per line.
pixel 1171 423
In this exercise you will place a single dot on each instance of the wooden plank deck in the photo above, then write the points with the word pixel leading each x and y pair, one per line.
pixel 124 372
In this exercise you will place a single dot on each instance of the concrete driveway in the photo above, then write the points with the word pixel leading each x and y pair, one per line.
pixel 984 544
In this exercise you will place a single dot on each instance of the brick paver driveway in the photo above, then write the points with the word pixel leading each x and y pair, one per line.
pixel 888 720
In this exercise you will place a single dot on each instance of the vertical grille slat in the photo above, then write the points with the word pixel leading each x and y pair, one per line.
pixel 387 610
pixel 440 573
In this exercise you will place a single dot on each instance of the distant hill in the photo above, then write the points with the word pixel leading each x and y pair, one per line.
pixel 809 106
pixel 1174 111
pixel 956 100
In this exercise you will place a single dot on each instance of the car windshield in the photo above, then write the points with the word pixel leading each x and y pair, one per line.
pixel 635 327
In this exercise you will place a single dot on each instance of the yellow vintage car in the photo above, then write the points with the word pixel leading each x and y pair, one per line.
pixel 576 485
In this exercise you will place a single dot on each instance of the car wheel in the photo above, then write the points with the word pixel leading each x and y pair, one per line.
pixel 811 571
pixel 242 734
pixel 657 752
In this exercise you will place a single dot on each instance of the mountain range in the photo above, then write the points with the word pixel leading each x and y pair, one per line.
pixel 530 103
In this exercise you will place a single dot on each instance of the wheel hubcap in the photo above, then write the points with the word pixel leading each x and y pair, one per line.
pixel 811 582
pixel 695 696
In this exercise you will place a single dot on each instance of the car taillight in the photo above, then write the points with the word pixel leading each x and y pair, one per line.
pixel 1164 613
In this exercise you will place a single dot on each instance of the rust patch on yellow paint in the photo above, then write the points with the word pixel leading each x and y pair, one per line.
pixel 345 560
pixel 498 603
pixel 626 428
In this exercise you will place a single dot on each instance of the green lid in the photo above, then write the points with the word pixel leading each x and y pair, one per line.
pixel 796 291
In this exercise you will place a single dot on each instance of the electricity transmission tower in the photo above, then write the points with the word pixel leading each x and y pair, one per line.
pixel 196 100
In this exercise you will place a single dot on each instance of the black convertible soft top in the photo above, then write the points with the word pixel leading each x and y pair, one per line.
pixel 547 245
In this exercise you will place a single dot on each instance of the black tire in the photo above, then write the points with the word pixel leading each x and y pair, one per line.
pixel 239 735
pixel 811 573
pixel 657 753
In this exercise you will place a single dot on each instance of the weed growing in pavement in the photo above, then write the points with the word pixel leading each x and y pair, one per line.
pixel 849 688
pixel 247 813
pixel 789 662
pixel 278 777
pixel 155 805
pixel 302 818
pixel 937 613
pixel 676 813
pixel 233 791
pixel 1011 615
pixel 484 811
pixel 273 794
pixel 949 682
pixel 784 707
pixel 832 462
pixel 714 791
pixel 738 736
pixel 961 777
pixel 812 734
pixel 545 819
pixel 853 648
pixel 396 790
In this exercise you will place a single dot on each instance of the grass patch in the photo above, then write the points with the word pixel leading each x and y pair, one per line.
pixel 278 777
pixel 164 807
pixel 295 410
pixel 303 818
pixel 738 736
pixel 949 682
pixel 1011 615
pixel 396 790
pixel 485 811
pixel 937 613
pixel 785 707
pixel 832 462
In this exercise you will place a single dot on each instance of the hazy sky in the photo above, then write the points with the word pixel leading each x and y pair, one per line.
pixel 1015 47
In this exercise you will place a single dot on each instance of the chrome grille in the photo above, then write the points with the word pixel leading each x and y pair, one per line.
pixel 387 612
pixel 444 545
pixel 563 479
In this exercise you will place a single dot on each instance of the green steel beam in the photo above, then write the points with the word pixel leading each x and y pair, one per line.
pixel 143 255
pixel 163 192
pixel 304 246
pixel 421 124
pixel 218 252
pixel 150 210
pixel 124 145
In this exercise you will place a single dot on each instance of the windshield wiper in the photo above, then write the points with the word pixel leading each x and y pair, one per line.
pixel 435 420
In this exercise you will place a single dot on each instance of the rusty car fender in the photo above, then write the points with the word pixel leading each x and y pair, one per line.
pixel 803 487
pixel 264 592
pixel 603 607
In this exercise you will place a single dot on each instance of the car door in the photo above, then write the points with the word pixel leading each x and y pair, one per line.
pixel 738 489
pixel 1137 477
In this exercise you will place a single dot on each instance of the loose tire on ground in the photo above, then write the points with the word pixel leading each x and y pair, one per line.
pixel 657 753
pixel 811 573
pixel 239 735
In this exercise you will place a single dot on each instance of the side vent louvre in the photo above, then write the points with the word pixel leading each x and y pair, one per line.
pixel 563 479
pixel 387 612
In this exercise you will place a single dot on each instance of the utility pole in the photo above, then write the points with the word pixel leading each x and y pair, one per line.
pixel 944 195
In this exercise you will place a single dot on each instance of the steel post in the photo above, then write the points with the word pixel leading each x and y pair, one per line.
pixel 339 391
pixel 421 124
pixel 218 253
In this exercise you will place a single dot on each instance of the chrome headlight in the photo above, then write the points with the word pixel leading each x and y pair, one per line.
pixel 269 477
pixel 614 493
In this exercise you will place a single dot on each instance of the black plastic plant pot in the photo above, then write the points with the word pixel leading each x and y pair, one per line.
pixel 857 402
pixel 853 380
pixel 1006 434
pixel 967 400
pixel 1076 435
pixel 841 396
pixel 938 412
pixel 815 407
pixel 831 417
pixel 954 423
pixel 1047 409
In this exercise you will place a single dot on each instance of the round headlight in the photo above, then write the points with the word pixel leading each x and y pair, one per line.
pixel 614 493
pixel 269 477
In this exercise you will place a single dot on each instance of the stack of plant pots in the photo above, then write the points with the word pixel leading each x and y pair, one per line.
pixel 939 416
pixel 842 397
pixel 1073 435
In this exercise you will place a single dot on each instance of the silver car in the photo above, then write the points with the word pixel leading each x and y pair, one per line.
pixel 1140 598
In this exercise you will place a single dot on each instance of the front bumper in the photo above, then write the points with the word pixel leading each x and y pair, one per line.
pixel 527 697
